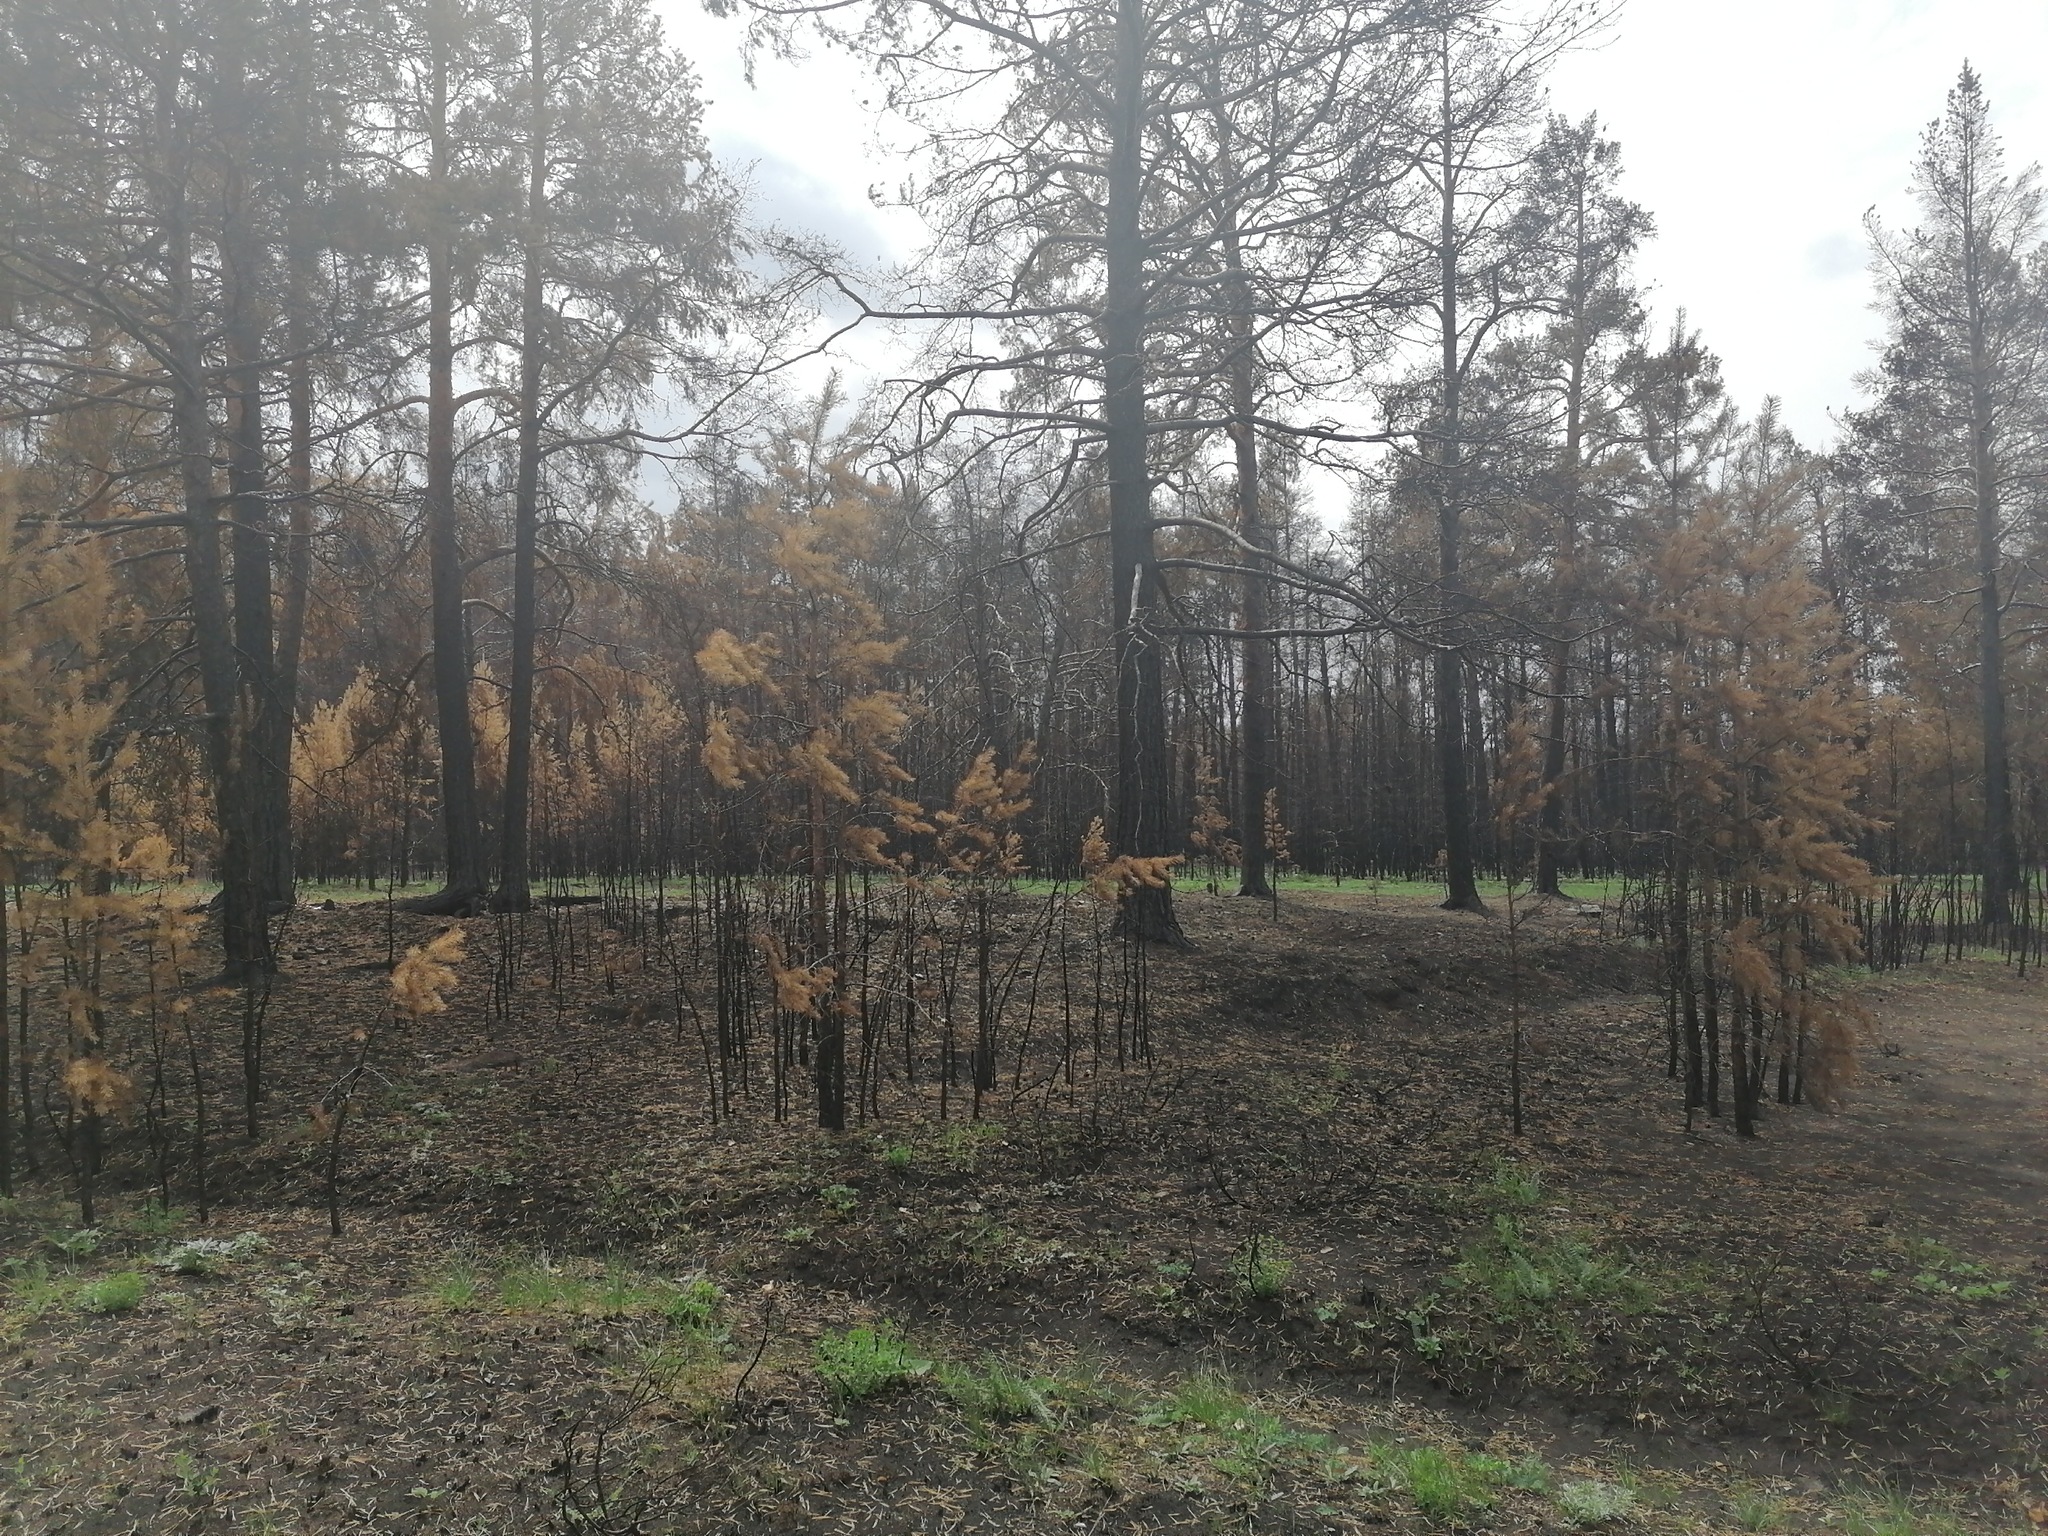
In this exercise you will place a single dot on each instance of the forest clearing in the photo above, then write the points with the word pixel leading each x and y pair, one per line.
pixel 1138 809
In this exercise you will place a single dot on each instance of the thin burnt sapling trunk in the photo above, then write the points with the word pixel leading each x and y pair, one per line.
pixel 298 554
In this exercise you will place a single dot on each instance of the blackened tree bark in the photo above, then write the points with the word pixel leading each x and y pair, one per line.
pixel 463 878
pixel 1454 774
pixel 514 893
pixel 1142 767
pixel 1255 727
pixel 229 712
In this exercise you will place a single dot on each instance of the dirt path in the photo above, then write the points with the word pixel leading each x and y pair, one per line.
pixel 1951 1113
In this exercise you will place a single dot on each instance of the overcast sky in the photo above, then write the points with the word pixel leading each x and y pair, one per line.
pixel 1756 131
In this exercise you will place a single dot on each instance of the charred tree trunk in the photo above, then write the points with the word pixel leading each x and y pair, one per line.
pixel 2001 859
pixel 1255 733
pixel 266 765
pixel 514 894
pixel 245 936
pixel 1141 760
pixel 463 882
pixel 298 558
pixel 1453 762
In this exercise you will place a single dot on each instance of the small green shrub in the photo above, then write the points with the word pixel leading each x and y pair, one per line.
pixel 1510 1186
pixel 202 1256
pixel 898 1157
pixel 1524 1278
pixel 865 1362
pixel 1590 1501
pixel 156 1219
pixel 118 1292
pixel 30 1286
pixel 961 1147
pixel 839 1199
pixel 81 1244
pixel 1422 1330
pixel 194 1480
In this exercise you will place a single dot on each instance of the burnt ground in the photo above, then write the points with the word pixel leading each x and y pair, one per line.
pixel 1293 1274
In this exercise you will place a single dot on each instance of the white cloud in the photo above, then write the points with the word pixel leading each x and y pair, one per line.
pixel 1759 131
pixel 1837 255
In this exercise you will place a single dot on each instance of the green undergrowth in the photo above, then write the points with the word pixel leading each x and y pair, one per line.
pixel 1527 1284
pixel 106 1269
pixel 1887 1512
pixel 1065 1436
pixel 942 1152
pixel 1877 1330
pixel 571 1287
pixel 861 1363
pixel 1075 1432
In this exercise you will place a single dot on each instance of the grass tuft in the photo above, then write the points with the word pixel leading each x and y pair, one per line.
pixel 1442 1484
pixel 1261 1267
pixel 121 1291
pixel 1890 1513
pixel 1590 1501
pixel 997 1393
pixel 861 1363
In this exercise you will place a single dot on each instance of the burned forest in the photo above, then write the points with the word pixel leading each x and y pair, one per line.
pixel 1211 839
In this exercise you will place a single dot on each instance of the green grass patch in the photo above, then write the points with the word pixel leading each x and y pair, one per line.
pixel 1251 1443
pixel 121 1291
pixel 1936 1270
pixel 459 1288
pixel 1526 1474
pixel 576 1289
pixel 1441 1483
pixel 1890 1513
pixel 1752 1509
pixel 993 1392
pixel 1525 1278
pixel 1518 1283
pixel 861 1363
pixel 1261 1267
pixel 31 1288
